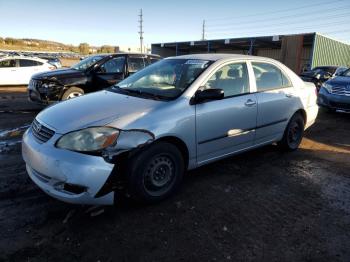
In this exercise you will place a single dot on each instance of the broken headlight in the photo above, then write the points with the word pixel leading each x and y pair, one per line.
pixel 89 139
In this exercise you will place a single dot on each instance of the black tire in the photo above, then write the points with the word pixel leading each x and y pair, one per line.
pixel 155 173
pixel 72 92
pixel 293 134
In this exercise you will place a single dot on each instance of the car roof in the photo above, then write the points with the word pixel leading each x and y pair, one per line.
pixel 218 56
pixel 24 57
pixel 134 53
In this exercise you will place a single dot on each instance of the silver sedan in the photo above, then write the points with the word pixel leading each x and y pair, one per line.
pixel 139 138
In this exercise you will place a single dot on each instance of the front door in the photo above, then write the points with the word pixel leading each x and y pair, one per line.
pixel 109 73
pixel 228 125
pixel 9 72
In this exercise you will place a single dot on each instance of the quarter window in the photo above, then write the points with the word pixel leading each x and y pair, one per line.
pixel 8 63
pixel 269 77
pixel 136 64
pixel 232 78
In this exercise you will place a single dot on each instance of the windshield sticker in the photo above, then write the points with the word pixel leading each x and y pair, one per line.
pixel 197 62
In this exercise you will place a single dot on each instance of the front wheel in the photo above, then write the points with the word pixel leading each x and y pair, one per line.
pixel 72 92
pixel 293 134
pixel 155 173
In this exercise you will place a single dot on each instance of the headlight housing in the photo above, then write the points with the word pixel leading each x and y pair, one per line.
pixel 48 85
pixel 89 139
pixel 328 87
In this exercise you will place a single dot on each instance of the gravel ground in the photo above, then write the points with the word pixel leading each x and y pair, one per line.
pixel 263 205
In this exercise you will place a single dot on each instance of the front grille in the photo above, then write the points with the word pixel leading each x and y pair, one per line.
pixel 340 91
pixel 344 106
pixel 41 132
pixel 35 83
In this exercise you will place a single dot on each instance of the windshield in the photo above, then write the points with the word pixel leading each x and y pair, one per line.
pixel 87 62
pixel 165 79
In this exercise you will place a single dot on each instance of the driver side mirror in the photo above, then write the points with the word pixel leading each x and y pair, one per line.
pixel 208 95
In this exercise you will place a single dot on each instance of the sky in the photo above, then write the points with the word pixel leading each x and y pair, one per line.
pixel 115 22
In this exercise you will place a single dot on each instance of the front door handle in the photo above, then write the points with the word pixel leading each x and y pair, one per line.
pixel 250 102
pixel 289 95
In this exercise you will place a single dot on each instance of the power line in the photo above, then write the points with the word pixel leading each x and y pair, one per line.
pixel 334 16
pixel 141 30
pixel 294 29
pixel 279 11
pixel 279 18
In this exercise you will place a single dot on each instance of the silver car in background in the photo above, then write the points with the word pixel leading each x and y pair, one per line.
pixel 138 138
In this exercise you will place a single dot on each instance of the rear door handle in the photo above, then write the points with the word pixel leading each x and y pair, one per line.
pixel 250 102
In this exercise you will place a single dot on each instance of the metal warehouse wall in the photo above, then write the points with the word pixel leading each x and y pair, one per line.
pixel 269 52
pixel 330 52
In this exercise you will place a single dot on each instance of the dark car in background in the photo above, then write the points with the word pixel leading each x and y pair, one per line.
pixel 91 74
pixel 319 75
pixel 55 61
pixel 335 93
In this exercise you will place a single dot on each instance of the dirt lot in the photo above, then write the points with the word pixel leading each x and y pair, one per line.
pixel 260 206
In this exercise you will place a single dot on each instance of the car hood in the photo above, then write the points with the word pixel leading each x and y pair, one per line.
pixel 339 81
pixel 95 109
pixel 59 74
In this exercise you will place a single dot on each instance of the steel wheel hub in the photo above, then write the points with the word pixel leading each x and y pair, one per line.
pixel 73 95
pixel 159 174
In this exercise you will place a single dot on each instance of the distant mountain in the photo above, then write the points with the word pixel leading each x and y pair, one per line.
pixel 34 44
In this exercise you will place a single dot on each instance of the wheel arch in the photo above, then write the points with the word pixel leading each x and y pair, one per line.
pixel 302 112
pixel 179 143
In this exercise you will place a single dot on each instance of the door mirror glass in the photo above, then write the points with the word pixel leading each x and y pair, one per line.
pixel 209 94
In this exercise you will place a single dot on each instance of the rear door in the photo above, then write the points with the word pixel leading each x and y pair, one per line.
pixel 228 125
pixel 276 101
pixel 110 72
pixel 27 68
pixel 8 72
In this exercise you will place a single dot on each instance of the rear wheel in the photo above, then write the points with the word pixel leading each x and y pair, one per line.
pixel 72 92
pixel 293 134
pixel 155 173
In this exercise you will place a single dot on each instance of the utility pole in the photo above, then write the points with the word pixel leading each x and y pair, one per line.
pixel 141 30
pixel 203 30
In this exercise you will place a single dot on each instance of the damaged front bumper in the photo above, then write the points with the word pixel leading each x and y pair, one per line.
pixel 66 175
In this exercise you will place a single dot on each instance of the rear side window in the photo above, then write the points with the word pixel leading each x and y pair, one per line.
pixel 269 77
pixel 8 63
pixel 136 64
pixel 27 63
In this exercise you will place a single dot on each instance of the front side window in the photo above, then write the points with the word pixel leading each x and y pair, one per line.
pixel 114 65
pixel 269 77
pixel 232 78
pixel 136 64
pixel 87 62
pixel 27 63
pixel 166 79
pixel 7 63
